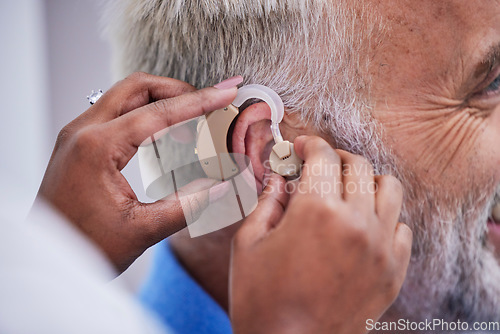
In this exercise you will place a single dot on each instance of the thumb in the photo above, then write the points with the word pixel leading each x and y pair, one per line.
pixel 160 219
pixel 267 214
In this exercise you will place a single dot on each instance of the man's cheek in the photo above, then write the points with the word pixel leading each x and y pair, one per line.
pixel 489 150
pixel 442 150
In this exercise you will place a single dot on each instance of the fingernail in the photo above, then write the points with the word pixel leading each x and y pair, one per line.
pixel 229 83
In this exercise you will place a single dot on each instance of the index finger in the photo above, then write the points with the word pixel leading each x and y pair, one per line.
pixel 132 129
pixel 136 90
pixel 322 169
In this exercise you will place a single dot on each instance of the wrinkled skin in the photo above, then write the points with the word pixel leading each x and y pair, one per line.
pixel 436 95
pixel 428 80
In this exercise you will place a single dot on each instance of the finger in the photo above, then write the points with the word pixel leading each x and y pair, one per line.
pixel 267 214
pixel 322 168
pixel 403 239
pixel 158 220
pixel 388 200
pixel 358 180
pixel 136 90
pixel 135 127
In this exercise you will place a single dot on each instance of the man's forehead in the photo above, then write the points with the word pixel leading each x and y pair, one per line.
pixel 430 39
pixel 443 21
pixel 425 11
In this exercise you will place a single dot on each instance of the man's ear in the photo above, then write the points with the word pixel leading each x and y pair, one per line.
pixel 252 137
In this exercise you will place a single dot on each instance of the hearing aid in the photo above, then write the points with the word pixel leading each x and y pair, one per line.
pixel 215 159
pixel 170 165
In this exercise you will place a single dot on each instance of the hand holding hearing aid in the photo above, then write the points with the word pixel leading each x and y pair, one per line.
pixel 83 178
pixel 334 256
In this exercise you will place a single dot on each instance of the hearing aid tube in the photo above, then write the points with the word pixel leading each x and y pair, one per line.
pixel 272 99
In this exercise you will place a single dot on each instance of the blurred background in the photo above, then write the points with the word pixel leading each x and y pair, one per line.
pixel 52 56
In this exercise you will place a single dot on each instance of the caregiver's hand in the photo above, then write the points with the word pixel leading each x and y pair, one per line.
pixel 326 259
pixel 83 178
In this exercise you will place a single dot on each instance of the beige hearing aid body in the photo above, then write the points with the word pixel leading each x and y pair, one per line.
pixel 214 129
pixel 212 134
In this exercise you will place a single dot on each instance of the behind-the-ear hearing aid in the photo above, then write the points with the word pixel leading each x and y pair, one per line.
pixel 215 128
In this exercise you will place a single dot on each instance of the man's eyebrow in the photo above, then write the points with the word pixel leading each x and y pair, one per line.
pixel 489 61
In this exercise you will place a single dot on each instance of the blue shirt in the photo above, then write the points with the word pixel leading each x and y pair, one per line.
pixel 178 301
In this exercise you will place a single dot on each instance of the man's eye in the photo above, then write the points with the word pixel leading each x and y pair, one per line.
pixel 493 87
pixel 487 97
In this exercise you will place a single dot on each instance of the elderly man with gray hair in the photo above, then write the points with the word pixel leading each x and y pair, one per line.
pixel 414 87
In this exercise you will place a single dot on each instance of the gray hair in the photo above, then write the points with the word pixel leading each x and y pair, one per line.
pixel 314 54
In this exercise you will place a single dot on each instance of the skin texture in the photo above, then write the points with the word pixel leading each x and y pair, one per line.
pixel 434 94
pixel 425 78
pixel 429 76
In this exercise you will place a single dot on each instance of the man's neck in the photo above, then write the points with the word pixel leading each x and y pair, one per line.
pixel 207 259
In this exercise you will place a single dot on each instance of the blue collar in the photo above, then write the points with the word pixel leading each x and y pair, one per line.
pixel 178 301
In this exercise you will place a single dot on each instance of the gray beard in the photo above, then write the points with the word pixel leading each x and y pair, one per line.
pixel 453 275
